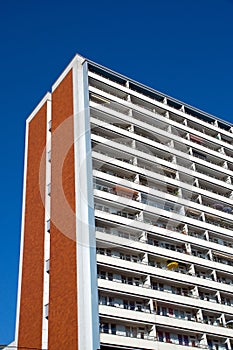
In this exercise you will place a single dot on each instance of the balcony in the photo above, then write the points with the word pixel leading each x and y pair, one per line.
pixel 179 120
pixel 186 340
pixel 122 277
pixel 122 303
pixel 117 232
pixel 196 139
pixel 117 211
pixel 120 339
pixel 140 338
pixel 125 330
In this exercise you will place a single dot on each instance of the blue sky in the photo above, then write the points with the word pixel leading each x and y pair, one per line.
pixel 181 47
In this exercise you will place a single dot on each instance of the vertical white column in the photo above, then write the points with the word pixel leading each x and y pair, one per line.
pixel 47 234
pixel 22 235
pixel 88 317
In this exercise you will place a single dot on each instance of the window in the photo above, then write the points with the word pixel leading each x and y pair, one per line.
pixel 127 331
pixel 193 341
pixel 131 305
pixel 113 328
pixel 167 337
pixel 161 287
pixel 105 328
pixel 49 189
pixel 103 275
pixel 47 265
pixel 139 306
pixel 141 333
pixel 103 300
pixel 182 314
pixel 130 280
pixel 49 156
pixel 48 225
pixel 108 251
pixel 170 311
pixel 47 311
pixel 123 279
pixel 160 336
pixel 186 340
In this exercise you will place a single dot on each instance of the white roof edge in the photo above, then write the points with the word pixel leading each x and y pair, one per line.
pixel 77 58
pixel 163 94
pixel 12 344
pixel 46 98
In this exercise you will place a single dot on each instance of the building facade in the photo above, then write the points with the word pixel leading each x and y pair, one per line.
pixel 127 219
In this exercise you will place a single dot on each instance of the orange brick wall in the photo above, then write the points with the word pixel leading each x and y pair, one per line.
pixel 63 331
pixel 31 302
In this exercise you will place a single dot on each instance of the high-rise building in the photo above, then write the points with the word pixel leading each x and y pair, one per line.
pixel 127 219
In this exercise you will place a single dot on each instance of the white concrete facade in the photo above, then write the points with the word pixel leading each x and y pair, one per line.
pixel 163 186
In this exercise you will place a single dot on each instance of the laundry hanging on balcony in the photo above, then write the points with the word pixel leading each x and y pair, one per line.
pixel 125 192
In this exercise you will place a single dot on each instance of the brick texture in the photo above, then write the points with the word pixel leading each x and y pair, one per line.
pixel 31 303
pixel 63 331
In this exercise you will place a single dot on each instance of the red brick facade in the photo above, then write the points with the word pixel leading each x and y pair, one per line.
pixel 31 302
pixel 63 328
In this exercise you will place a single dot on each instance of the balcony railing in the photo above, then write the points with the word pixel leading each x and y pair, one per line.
pixel 150 241
pixel 179 269
pixel 165 173
pixel 192 127
pixel 129 334
pixel 151 338
pixel 195 154
pixel 141 308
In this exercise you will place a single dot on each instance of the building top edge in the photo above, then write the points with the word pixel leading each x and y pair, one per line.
pixel 46 98
pixel 196 112
pixel 161 94
pixel 77 58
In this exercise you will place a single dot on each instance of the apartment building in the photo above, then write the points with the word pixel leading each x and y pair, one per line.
pixel 127 219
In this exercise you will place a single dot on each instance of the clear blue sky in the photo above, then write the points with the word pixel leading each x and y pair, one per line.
pixel 181 47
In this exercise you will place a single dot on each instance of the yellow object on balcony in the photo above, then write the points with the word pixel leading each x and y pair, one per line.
pixel 172 265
